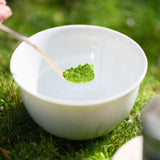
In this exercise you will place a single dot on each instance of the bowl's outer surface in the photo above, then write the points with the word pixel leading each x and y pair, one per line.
pixel 79 123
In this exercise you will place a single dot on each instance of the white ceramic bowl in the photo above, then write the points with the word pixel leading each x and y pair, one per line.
pixel 79 111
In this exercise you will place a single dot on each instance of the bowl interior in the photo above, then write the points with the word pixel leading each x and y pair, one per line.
pixel 118 61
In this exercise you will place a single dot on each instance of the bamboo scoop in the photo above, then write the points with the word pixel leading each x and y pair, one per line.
pixel 80 74
pixel 25 39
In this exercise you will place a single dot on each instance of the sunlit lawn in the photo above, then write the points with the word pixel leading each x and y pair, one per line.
pixel 20 137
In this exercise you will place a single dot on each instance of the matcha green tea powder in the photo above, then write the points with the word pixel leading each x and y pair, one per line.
pixel 81 74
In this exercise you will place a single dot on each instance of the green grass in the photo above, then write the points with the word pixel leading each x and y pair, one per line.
pixel 20 137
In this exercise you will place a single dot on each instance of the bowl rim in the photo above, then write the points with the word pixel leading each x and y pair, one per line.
pixel 89 102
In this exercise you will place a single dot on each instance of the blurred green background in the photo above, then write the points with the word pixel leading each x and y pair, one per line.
pixel 20 137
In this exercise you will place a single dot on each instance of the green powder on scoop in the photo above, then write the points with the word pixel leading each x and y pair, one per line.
pixel 81 74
